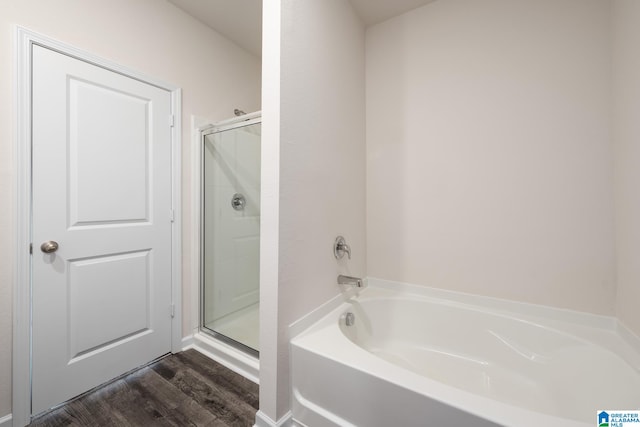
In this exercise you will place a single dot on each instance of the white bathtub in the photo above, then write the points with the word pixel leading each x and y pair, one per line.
pixel 420 357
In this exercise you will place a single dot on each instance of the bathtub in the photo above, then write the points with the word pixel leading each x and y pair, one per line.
pixel 416 356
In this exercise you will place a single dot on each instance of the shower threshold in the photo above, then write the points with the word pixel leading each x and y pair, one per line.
pixel 241 327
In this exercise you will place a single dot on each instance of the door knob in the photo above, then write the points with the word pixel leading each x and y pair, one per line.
pixel 49 247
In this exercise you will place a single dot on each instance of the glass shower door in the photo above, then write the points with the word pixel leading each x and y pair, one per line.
pixel 231 234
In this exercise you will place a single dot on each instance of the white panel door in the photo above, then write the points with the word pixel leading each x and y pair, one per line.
pixel 102 191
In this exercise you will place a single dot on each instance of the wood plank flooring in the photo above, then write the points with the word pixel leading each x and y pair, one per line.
pixel 184 389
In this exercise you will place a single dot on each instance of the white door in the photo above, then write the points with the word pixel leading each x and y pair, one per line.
pixel 102 191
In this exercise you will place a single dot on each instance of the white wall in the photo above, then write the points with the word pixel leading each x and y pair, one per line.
pixel 626 67
pixel 489 165
pixel 319 175
pixel 150 36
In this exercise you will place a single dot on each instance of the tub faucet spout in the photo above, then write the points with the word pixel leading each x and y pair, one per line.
pixel 348 280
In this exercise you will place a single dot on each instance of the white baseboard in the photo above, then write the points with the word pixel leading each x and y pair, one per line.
pixel 224 354
pixel 263 420
pixel 187 342
pixel 6 421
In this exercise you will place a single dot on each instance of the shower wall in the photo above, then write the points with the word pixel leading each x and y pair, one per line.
pixel 489 150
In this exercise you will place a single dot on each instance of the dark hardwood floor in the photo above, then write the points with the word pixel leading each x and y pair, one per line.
pixel 184 389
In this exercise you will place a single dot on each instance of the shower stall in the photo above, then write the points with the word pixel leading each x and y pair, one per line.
pixel 230 239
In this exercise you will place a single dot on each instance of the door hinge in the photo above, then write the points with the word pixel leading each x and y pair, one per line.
pixel 31 248
pixel 172 215
pixel 173 311
pixel 172 120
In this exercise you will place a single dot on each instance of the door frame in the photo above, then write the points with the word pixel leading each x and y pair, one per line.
pixel 24 39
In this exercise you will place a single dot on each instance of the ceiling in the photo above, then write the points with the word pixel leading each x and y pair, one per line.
pixel 238 20
pixel 374 11
pixel 241 20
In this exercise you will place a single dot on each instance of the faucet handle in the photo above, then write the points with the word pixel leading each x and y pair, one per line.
pixel 340 247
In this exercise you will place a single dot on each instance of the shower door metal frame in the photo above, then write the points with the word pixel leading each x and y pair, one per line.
pixel 226 125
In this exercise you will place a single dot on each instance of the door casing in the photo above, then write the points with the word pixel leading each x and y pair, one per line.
pixel 24 40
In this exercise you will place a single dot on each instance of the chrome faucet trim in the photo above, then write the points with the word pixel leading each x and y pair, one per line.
pixel 340 247
pixel 349 319
pixel 348 280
